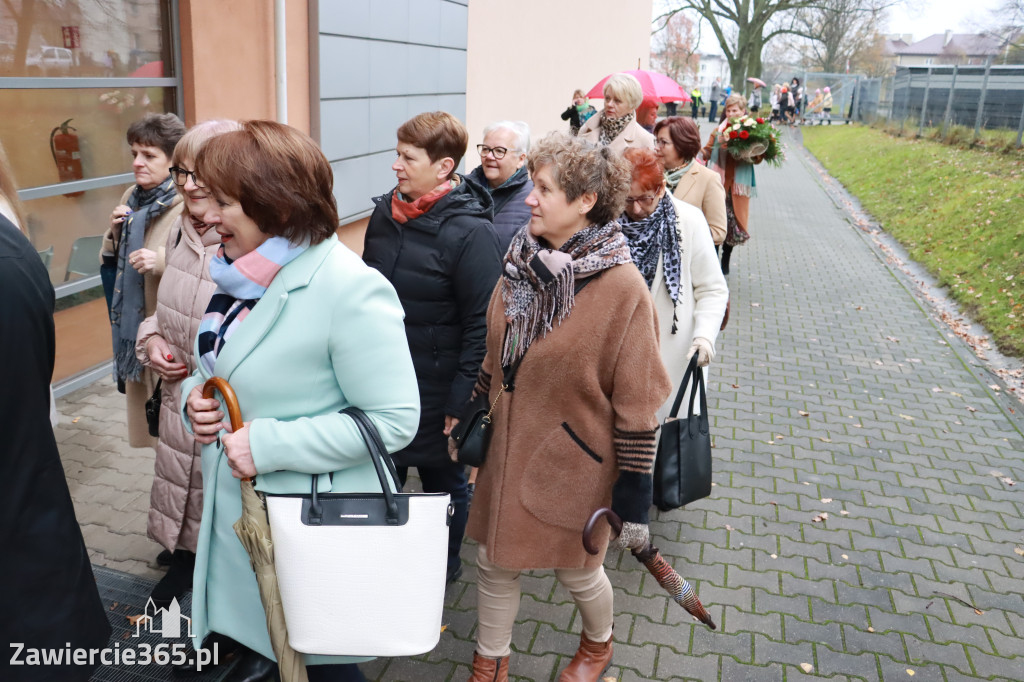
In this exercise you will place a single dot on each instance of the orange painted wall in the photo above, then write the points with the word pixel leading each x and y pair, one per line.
pixel 227 56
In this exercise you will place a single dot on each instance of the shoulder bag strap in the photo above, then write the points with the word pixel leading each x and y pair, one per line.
pixel 678 402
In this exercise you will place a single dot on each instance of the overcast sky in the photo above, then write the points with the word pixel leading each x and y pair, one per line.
pixel 920 18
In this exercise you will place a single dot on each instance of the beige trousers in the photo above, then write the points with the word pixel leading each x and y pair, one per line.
pixel 498 603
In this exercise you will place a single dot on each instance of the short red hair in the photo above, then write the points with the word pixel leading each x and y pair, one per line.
pixel 647 168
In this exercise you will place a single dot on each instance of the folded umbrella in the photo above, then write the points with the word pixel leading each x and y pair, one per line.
pixel 253 531
pixel 677 586
pixel 655 86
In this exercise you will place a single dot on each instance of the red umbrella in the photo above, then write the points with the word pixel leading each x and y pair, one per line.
pixel 655 86
pixel 149 70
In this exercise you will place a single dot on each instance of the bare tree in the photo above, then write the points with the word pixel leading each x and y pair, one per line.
pixel 674 49
pixel 836 34
pixel 743 28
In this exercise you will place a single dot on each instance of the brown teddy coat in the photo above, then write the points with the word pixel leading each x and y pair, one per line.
pixel 579 422
pixel 176 498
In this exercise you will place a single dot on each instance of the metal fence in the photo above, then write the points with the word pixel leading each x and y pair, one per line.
pixel 977 97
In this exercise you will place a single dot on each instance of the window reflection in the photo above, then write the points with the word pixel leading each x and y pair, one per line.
pixel 87 38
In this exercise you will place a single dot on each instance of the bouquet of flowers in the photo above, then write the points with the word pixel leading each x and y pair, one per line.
pixel 750 137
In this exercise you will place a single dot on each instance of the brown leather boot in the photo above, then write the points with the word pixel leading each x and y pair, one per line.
pixel 486 669
pixel 591 659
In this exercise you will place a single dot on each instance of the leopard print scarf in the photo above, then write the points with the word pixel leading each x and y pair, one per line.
pixel 611 127
pixel 653 239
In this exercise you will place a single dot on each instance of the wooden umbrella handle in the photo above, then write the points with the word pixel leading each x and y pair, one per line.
pixel 230 399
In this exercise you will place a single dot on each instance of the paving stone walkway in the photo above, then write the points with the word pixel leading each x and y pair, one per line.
pixel 866 521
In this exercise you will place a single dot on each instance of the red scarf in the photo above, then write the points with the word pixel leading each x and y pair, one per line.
pixel 404 211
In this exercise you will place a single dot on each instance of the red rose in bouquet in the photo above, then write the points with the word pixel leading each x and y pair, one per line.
pixel 760 120
pixel 744 134
pixel 733 134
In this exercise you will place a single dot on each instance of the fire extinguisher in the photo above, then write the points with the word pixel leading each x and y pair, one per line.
pixel 64 147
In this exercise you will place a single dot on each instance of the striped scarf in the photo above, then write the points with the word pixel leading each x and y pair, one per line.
pixel 537 283
pixel 240 285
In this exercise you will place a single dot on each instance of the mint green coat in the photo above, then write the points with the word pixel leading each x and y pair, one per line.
pixel 328 333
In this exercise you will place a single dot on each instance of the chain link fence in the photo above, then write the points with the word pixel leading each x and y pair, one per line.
pixel 974 97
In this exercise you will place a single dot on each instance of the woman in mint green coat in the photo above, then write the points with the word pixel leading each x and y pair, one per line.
pixel 301 329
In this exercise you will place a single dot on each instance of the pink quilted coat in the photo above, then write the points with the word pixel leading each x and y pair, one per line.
pixel 176 499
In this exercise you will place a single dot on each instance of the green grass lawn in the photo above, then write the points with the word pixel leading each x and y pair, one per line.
pixel 959 212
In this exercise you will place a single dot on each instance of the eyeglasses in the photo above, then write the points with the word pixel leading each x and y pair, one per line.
pixel 643 201
pixel 498 152
pixel 181 176
pixel 662 143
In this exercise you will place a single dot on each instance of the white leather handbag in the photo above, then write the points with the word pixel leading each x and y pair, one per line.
pixel 362 574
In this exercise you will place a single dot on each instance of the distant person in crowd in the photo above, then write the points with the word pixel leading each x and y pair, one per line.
pixel 695 102
pixel 50 600
pixel 671 246
pixel 671 108
pixel 774 100
pixel 164 345
pixel 432 238
pixel 754 102
pixel 616 125
pixel 797 92
pixel 578 112
pixel 737 178
pixel 826 105
pixel 678 145
pixel 787 105
pixel 133 256
pixel 502 171
pixel 328 335
pixel 716 97
pixel 814 107
pixel 578 432
pixel 647 114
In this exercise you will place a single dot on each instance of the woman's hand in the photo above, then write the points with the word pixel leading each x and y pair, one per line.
pixel 634 536
pixel 703 348
pixel 449 423
pixel 204 415
pixel 236 449
pixel 117 219
pixel 163 361
pixel 142 260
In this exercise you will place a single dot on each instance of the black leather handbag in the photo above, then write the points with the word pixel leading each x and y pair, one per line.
pixel 682 470
pixel 153 410
pixel 472 435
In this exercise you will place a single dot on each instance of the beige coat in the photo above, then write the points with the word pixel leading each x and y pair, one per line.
pixel 702 187
pixel 593 382
pixel 633 135
pixel 176 499
pixel 138 392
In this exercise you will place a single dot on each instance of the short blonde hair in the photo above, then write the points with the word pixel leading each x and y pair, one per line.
pixel 579 167
pixel 626 87
pixel 189 144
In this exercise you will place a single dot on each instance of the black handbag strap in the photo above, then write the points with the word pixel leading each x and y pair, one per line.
pixel 510 371
pixel 678 402
pixel 698 387
pixel 380 458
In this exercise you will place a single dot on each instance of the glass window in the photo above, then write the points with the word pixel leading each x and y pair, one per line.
pixel 96 38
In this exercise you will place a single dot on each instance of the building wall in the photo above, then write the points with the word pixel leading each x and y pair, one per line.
pixel 380 63
pixel 526 58
pixel 227 59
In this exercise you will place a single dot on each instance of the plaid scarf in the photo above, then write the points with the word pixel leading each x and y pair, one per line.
pixel 654 238
pixel 611 127
pixel 128 305
pixel 240 285
pixel 537 283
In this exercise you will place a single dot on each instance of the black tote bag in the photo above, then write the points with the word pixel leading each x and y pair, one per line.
pixel 682 470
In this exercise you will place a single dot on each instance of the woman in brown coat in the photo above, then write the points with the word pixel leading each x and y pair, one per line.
pixel 737 177
pixel 577 430
pixel 164 345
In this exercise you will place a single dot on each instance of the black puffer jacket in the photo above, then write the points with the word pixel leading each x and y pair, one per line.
pixel 510 209
pixel 444 265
